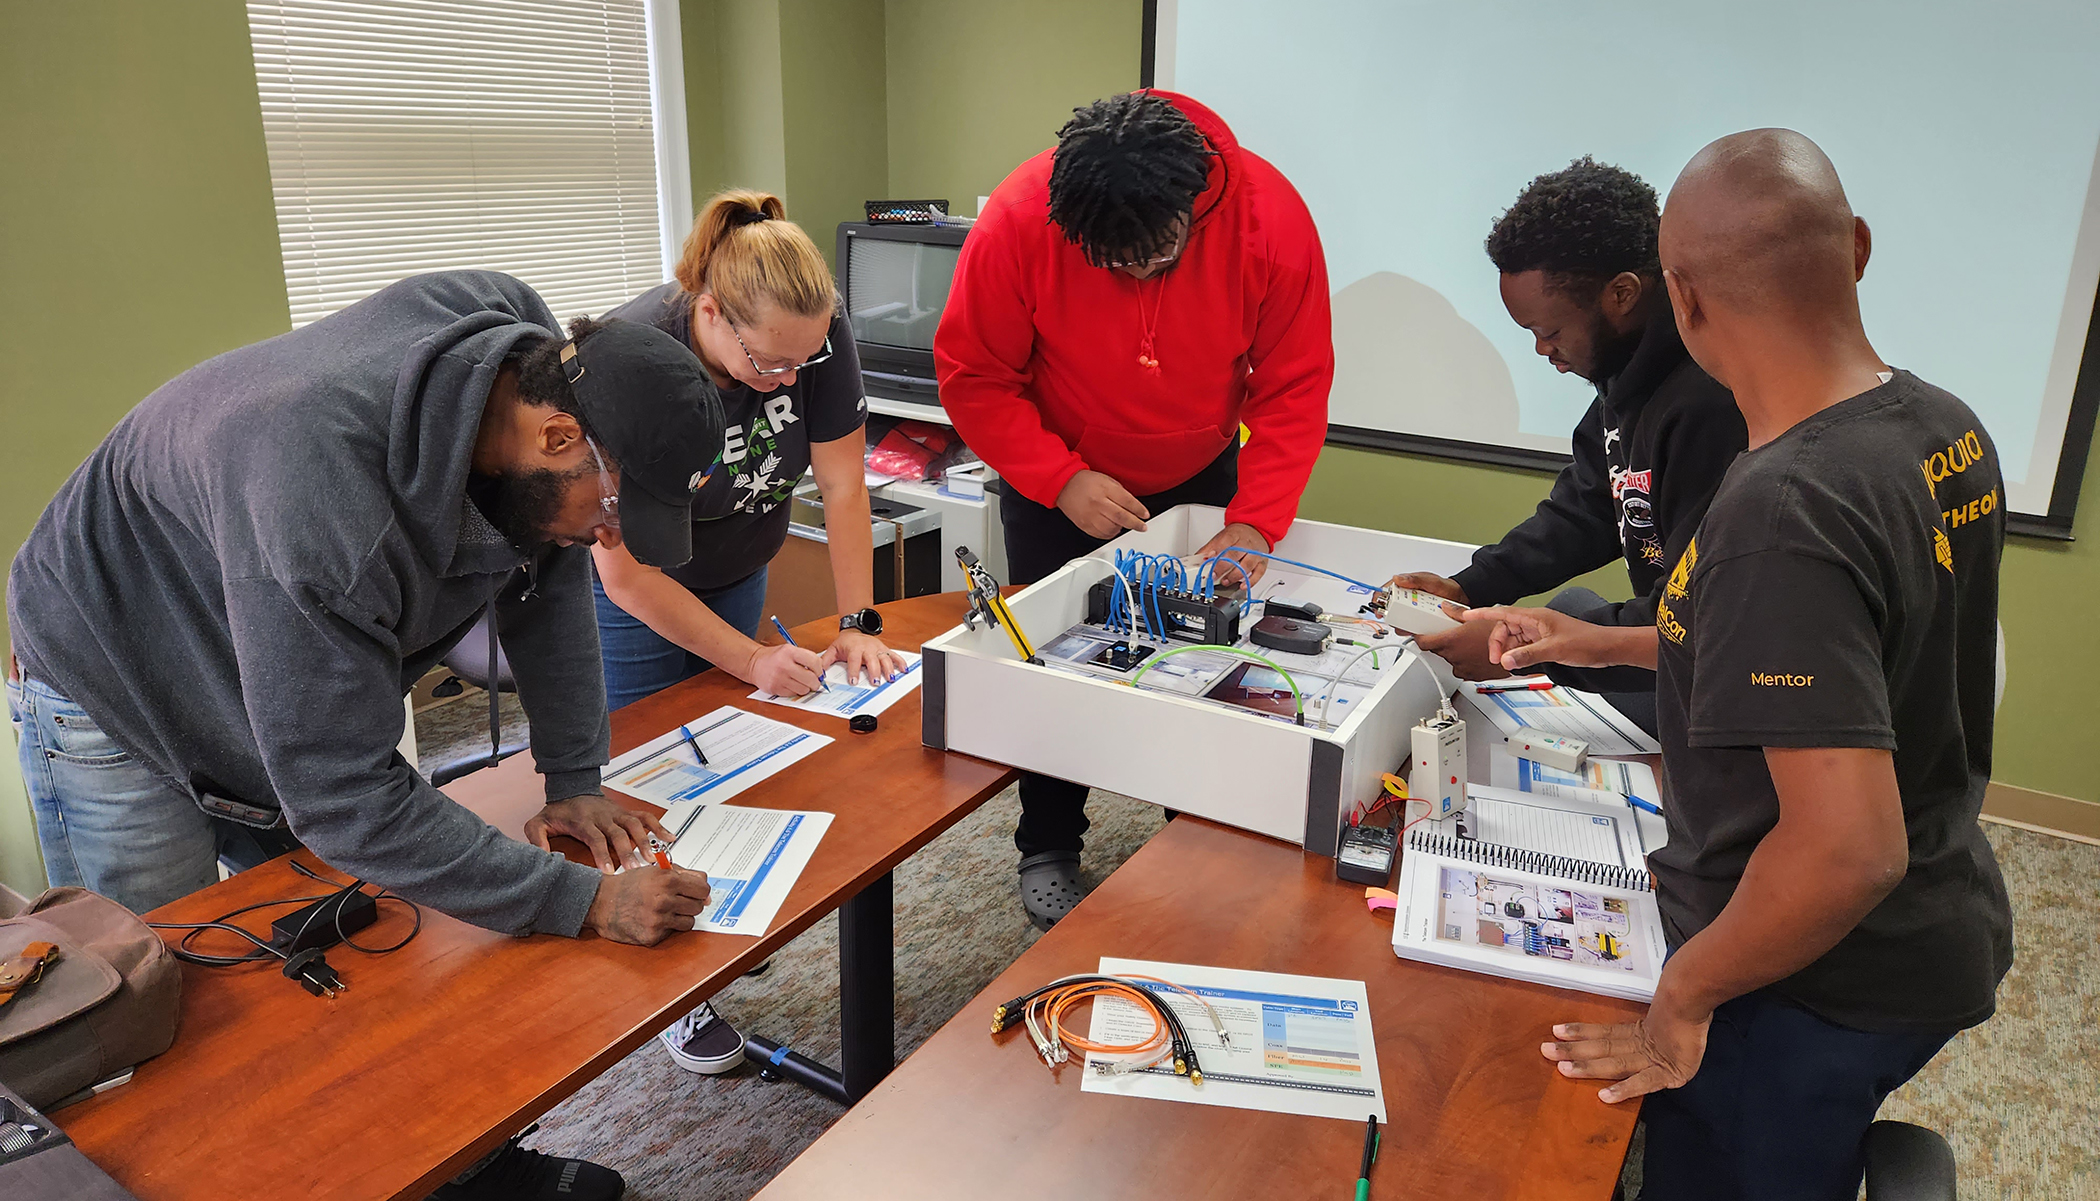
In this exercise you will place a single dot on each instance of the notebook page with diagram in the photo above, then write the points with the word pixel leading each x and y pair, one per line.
pixel 1550 890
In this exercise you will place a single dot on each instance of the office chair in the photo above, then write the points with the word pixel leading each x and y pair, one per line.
pixel 478 659
pixel 1908 1163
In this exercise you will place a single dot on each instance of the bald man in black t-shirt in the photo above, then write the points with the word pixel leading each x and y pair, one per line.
pixel 1827 655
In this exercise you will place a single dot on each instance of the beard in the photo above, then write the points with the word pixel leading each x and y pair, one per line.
pixel 1610 352
pixel 523 506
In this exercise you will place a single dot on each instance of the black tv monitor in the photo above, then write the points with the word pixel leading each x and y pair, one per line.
pixel 894 279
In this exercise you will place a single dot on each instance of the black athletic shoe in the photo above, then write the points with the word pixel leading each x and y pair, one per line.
pixel 513 1173
pixel 704 1042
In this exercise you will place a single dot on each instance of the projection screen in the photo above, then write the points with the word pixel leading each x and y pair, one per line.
pixel 1967 134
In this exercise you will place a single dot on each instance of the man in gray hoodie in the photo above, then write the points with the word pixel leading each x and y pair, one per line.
pixel 216 618
pixel 218 615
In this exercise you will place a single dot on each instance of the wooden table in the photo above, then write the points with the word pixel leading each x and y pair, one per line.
pixel 440 1051
pixel 1475 1111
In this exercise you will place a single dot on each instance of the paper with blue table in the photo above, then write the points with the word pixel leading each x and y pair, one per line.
pixel 752 857
pixel 1625 787
pixel 1569 712
pixel 841 697
pixel 1295 1044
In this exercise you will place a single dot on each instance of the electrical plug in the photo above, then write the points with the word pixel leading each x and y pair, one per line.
pixel 311 969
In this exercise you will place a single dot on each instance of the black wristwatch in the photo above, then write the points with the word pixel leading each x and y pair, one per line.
pixel 867 621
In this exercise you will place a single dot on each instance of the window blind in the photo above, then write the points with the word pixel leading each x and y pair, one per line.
pixel 438 134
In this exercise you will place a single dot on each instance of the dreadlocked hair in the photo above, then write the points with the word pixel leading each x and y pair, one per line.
pixel 1125 170
pixel 1582 226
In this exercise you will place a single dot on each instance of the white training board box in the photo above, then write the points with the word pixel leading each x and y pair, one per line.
pixel 1199 757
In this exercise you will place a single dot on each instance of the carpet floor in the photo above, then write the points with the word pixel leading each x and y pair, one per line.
pixel 2018 1098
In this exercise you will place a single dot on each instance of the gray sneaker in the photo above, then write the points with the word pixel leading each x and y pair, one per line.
pixel 702 1042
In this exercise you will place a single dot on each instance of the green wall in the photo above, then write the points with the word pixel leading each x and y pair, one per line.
pixel 2049 661
pixel 1433 498
pixel 751 113
pixel 978 86
pixel 788 96
pixel 706 134
pixel 835 97
pixel 829 103
pixel 136 238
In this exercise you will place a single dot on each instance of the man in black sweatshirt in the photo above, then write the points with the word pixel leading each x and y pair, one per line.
pixel 1577 252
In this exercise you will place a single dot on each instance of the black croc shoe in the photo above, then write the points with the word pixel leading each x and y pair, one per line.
pixel 1050 886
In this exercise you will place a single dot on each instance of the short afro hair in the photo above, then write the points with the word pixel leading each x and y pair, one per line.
pixel 1582 226
pixel 541 380
pixel 1125 169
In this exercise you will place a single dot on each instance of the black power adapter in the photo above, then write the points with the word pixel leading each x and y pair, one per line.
pixel 325 922
pixel 297 940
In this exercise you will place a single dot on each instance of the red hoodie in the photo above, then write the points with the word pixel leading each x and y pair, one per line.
pixel 1038 350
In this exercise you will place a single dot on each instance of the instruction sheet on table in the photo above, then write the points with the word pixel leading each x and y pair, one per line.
pixel 842 697
pixel 711 759
pixel 1293 1044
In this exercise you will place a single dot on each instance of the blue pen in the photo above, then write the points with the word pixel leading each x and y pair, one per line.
pixel 790 638
pixel 1644 806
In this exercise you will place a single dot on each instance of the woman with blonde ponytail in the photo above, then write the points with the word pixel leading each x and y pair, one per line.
pixel 755 301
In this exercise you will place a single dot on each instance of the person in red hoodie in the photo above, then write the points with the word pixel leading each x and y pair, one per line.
pixel 1125 302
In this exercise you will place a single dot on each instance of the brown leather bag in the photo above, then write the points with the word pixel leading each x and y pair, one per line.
pixel 109 1001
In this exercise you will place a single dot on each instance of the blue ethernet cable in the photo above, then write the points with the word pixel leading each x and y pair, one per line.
pixel 1207 573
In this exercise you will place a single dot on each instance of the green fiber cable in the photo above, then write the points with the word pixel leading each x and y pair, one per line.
pixel 1251 656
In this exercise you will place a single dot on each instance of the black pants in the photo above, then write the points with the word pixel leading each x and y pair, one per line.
pixel 1779 1107
pixel 1040 540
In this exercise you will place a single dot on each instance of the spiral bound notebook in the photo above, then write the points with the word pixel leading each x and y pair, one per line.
pixel 1555 892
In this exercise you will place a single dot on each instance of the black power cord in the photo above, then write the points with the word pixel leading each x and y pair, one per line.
pixel 300 949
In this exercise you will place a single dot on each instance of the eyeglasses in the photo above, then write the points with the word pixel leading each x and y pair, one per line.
pixel 1181 244
pixel 811 361
pixel 1161 261
pixel 608 496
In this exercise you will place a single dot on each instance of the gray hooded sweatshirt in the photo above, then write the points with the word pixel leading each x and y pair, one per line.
pixel 243 580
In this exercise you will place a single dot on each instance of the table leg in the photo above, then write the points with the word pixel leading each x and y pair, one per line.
pixel 868 987
pixel 867 1005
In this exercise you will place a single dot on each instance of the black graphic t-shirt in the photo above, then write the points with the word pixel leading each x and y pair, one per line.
pixel 740 517
pixel 1842 591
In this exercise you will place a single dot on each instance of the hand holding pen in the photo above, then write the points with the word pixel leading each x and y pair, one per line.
pixel 788 669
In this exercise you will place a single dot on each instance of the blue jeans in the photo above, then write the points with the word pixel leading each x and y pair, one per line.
pixel 640 662
pixel 103 821
pixel 1778 1109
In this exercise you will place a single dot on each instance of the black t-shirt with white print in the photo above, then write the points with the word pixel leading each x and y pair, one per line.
pixel 740 516
pixel 1842 591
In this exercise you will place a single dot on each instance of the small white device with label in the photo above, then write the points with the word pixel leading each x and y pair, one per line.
pixel 1436 772
pixel 1414 611
pixel 1553 750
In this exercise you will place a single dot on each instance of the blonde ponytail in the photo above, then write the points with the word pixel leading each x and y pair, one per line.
pixel 745 253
